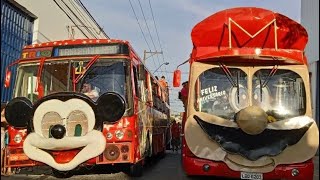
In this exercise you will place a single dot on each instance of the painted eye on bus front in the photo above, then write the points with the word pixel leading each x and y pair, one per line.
pixel 77 124
pixel 48 121
pixel 238 98
pixel 261 97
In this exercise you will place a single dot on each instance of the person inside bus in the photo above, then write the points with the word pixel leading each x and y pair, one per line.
pixel 88 90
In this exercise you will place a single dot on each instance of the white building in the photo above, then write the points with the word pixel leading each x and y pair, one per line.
pixel 59 20
pixel 310 20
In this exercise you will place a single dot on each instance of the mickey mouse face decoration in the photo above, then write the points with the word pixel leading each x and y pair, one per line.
pixel 64 121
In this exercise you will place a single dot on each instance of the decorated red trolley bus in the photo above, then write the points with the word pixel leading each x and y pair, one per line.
pixel 249 112
pixel 55 122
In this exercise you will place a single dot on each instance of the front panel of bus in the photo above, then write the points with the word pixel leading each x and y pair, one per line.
pixel 108 70
pixel 247 116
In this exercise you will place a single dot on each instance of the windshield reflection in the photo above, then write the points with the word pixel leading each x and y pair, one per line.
pixel 220 94
pixel 283 96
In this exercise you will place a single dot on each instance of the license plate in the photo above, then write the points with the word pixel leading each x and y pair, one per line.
pixel 252 176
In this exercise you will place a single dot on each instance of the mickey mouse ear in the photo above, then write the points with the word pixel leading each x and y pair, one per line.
pixel 111 107
pixel 18 112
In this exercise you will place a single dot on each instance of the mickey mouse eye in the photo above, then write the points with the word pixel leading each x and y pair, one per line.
pixel 77 123
pixel 48 121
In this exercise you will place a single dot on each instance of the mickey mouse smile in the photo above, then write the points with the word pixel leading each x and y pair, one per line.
pixel 251 147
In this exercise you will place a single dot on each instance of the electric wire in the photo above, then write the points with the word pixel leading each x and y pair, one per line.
pixel 145 39
pixel 83 17
pixel 80 3
pixel 79 20
pixel 154 46
pixel 70 18
pixel 156 29
pixel 139 26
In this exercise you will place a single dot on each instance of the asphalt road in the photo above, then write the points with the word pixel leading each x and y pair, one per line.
pixel 168 168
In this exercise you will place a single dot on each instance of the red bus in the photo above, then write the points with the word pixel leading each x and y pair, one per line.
pixel 249 112
pixel 54 121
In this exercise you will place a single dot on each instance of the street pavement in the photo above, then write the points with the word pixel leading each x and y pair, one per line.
pixel 168 168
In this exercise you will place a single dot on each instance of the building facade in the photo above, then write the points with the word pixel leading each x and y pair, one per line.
pixel 16 32
pixel 25 22
pixel 60 20
pixel 310 20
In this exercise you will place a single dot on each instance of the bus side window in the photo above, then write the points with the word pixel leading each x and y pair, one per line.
pixel 148 86
pixel 135 76
pixel 154 91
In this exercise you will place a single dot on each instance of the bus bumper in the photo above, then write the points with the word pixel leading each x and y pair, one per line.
pixel 195 166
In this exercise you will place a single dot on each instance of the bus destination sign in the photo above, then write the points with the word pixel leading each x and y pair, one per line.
pixel 89 50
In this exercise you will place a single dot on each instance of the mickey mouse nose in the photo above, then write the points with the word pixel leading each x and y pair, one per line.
pixel 58 131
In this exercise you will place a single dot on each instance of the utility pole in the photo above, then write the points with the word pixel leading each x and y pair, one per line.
pixel 150 52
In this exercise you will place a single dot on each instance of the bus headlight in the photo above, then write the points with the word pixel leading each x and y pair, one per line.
pixel 17 138
pixel 119 134
pixel 295 172
pixel 109 135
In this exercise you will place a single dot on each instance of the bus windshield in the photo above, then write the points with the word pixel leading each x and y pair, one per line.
pixel 220 94
pixel 223 92
pixel 281 95
pixel 105 75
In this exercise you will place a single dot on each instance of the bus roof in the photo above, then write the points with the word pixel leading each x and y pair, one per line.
pixel 37 50
pixel 249 31
pixel 75 42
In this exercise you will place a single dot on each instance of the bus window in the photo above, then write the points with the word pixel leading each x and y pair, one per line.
pixel 55 78
pixel 136 86
pixel 147 88
pixel 109 75
pixel 218 94
pixel 283 94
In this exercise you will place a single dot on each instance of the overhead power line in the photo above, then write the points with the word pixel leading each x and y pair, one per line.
pixel 139 25
pixel 155 26
pixel 88 13
pixel 70 18
pixel 145 20
pixel 89 23
pixel 81 22
pixel 145 39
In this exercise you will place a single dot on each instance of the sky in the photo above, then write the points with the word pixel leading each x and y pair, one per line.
pixel 169 28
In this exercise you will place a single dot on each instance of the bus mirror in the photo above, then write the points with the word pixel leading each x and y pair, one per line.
pixel 142 72
pixel 176 78
pixel 7 79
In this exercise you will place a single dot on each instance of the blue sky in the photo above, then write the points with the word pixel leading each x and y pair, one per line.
pixel 174 20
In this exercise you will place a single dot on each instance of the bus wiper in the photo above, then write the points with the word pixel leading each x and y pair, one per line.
pixel 231 80
pixel 260 85
pixel 228 74
pixel 272 72
pixel 238 90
